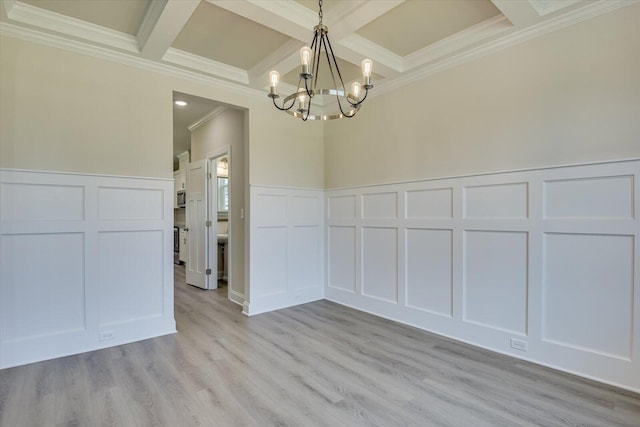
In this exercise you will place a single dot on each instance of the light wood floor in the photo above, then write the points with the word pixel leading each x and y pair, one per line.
pixel 318 364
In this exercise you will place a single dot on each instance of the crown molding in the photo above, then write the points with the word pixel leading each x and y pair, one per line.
pixel 456 42
pixel 123 48
pixel 195 62
pixel 594 9
pixel 75 46
pixel 31 15
pixel 216 112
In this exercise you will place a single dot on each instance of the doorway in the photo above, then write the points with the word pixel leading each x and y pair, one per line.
pixel 215 236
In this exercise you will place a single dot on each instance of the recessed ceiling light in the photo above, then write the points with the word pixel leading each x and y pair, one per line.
pixel 180 103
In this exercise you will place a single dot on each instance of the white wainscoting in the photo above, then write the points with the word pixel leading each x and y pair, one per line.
pixel 286 248
pixel 85 263
pixel 548 257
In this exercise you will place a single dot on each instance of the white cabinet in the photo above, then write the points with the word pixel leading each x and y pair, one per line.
pixel 183 164
pixel 180 177
pixel 176 187
pixel 183 244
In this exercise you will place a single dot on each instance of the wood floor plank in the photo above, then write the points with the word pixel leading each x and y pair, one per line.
pixel 317 364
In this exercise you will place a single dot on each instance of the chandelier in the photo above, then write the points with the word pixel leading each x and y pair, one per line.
pixel 348 102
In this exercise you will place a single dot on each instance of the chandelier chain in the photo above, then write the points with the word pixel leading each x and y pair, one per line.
pixel 320 11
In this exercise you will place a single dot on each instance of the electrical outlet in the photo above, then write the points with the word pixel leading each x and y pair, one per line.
pixel 519 344
pixel 106 335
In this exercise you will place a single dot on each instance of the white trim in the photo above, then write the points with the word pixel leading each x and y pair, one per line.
pixel 197 65
pixel 216 112
pixel 485 29
pixel 28 34
pixel 235 297
pixel 16 170
pixel 591 11
pixel 567 165
pixel 209 66
pixel 31 15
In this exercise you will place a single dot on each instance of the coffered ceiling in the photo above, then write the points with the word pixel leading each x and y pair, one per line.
pixel 237 42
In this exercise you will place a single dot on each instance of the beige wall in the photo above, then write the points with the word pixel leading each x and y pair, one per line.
pixel 227 129
pixel 571 96
pixel 64 111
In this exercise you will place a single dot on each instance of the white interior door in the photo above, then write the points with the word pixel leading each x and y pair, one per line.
pixel 197 237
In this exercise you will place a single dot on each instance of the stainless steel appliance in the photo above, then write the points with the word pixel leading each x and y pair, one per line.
pixel 182 198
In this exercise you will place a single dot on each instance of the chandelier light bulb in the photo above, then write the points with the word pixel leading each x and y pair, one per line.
pixel 305 61
pixel 302 100
pixel 274 78
pixel 367 67
pixel 356 89
pixel 305 55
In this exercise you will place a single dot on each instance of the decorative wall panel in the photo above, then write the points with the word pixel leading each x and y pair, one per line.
pixel 286 248
pixel 86 263
pixel 588 292
pixel 131 279
pixel 380 263
pixel 43 284
pixel 595 198
pixel 495 280
pixel 342 258
pixel 429 266
pixel 429 204
pixel 545 257
pixel 342 207
pixel 141 204
pixel 41 202
pixel 380 205
pixel 496 201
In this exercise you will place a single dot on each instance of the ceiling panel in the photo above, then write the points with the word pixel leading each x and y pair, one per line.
pixel 119 15
pixel 418 23
pixel 217 34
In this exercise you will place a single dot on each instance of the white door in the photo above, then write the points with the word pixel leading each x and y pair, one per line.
pixel 197 236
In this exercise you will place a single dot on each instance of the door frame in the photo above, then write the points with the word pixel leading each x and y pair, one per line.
pixel 212 206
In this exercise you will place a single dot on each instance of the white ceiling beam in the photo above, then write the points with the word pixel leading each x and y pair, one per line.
pixel 285 16
pixel 346 18
pixel 161 25
pixel 285 59
pixel 520 13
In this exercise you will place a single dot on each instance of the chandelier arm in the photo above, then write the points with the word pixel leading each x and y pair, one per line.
pixel 328 43
pixel 325 40
pixel 317 53
pixel 283 108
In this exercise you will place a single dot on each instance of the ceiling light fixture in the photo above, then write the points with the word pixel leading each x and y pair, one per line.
pixel 181 103
pixel 308 82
